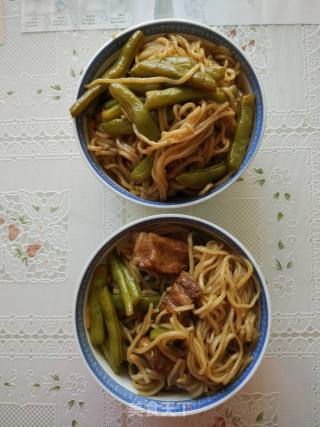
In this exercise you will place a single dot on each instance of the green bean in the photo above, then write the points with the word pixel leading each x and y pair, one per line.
pixel 118 69
pixel 199 79
pixel 132 285
pixel 234 90
pixel 135 110
pixel 219 96
pixel 111 113
pixel 142 89
pixel 173 95
pixel 99 278
pixel 113 110
pixel 117 127
pixel 216 72
pixel 155 332
pixel 134 288
pixel 110 103
pixel 113 346
pixel 119 278
pixel 184 61
pixel 96 318
pixel 117 301
pixel 199 178
pixel 142 306
pixel 128 52
pixel 245 117
pixel 85 99
pixel 142 170
pixel 242 134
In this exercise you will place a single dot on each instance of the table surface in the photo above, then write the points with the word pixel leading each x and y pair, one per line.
pixel 48 195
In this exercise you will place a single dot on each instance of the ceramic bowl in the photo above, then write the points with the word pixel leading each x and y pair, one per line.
pixel 105 55
pixel 120 386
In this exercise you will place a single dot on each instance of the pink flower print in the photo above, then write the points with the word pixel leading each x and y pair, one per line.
pixel 33 249
pixel 251 43
pixel 232 33
pixel 219 422
pixel 13 232
pixel 2 220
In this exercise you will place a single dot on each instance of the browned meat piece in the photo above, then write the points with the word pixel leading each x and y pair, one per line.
pixel 184 291
pixel 188 285
pixel 156 360
pixel 161 254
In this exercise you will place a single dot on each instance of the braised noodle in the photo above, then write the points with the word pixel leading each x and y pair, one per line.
pixel 194 134
pixel 214 348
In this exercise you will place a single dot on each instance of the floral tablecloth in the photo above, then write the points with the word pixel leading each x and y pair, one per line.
pixel 54 213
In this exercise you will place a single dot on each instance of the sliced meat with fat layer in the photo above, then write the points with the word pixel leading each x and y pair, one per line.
pixel 156 360
pixel 161 254
pixel 184 291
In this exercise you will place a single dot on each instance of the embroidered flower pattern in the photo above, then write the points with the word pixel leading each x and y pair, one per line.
pixel 33 236
pixel 75 384
pixel 283 286
pixel 280 177
pixel 255 41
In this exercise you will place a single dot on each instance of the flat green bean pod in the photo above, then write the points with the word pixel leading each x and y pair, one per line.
pixel 142 89
pixel 118 69
pixel 119 277
pixel 217 73
pixel 111 113
pixel 117 127
pixel 199 178
pixel 184 61
pixel 132 285
pixel 97 330
pixel 112 347
pixel 142 306
pixel 199 79
pixel 143 169
pixel 240 142
pixel 110 103
pixel 135 110
pixel 173 95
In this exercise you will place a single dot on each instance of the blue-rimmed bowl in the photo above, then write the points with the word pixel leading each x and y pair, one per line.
pixel 120 386
pixel 104 57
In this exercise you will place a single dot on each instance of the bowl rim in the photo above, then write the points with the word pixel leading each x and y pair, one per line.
pixel 262 282
pixel 117 188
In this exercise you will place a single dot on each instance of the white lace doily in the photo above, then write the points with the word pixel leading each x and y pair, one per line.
pixel 47 232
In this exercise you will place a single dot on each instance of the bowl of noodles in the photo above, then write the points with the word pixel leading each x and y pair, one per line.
pixel 172 315
pixel 169 113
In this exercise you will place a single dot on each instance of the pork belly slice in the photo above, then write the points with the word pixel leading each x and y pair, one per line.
pixel 184 291
pixel 160 254
pixel 156 360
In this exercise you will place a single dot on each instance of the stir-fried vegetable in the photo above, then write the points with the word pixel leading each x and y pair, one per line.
pixel 242 134
pixel 118 69
pixel 135 110
pixel 199 178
